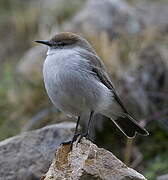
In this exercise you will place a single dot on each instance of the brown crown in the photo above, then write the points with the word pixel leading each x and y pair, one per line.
pixel 65 36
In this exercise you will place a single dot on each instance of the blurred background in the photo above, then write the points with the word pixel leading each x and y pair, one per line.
pixel 130 36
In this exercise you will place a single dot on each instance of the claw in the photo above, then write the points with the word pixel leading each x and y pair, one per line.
pixel 86 135
pixel 72 141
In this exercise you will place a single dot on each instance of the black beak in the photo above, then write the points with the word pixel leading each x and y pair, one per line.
pixel 48 43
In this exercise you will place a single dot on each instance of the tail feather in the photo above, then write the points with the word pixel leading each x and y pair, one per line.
pixel 129 126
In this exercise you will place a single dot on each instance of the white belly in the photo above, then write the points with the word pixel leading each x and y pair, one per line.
pixel 72 89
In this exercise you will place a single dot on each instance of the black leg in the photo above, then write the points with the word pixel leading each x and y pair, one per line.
pixel 76 130
pixel 88 126
pixel 77 124
pixel 86 134
pixel 75 134
pixel 81 135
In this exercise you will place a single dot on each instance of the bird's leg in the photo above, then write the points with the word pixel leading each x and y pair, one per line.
pixel 86 134
pixel 75 134
pixel 76 130
pixel 88 126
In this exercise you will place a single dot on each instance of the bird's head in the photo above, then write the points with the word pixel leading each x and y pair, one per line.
pixel 66 40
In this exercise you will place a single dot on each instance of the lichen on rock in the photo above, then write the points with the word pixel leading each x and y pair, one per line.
pixel 88 162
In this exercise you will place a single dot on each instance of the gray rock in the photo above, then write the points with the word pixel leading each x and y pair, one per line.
pixel 30 65
pixel 162 177
pixel 111 16
pixel 28 156
pixel 88 162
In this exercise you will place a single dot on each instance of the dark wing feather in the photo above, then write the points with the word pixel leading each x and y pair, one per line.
pixel 99 69
pixel 125 122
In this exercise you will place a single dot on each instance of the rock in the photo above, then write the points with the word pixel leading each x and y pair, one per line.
pixel 29 155
pixel 87 161
pixel 110 16
pixel 162 177
pixel 30 65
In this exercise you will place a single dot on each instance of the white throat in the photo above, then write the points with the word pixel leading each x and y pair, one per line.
pixel 68 51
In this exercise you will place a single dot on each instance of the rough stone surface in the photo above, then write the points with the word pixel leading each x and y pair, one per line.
pixel 110 16
pixel 28 156
pixel 88 162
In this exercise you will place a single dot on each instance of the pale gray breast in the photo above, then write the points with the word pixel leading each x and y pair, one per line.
pixel 70 83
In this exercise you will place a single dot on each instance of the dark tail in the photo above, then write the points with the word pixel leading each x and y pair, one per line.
pixel 129 126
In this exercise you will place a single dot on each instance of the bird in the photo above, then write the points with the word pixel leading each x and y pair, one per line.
pixel 77 83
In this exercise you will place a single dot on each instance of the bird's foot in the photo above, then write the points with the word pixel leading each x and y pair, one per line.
pixel 82 135
pixel 72 141
pixel 86 135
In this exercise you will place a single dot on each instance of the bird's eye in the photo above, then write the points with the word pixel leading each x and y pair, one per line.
pixel 61 43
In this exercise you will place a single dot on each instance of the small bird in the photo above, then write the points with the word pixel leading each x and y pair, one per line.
pixel 77 83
